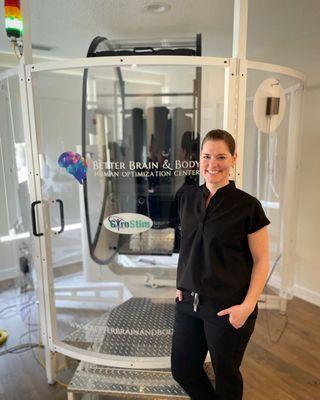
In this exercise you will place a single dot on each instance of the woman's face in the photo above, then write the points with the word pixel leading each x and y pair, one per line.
pixel 216 162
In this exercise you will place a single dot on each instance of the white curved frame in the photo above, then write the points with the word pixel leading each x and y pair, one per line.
pixel 235 80
pixel 53 341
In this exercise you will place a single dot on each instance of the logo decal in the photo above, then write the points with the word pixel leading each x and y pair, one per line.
pixel 128 223
pixel 74 164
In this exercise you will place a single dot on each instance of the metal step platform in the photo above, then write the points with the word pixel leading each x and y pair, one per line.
pixel 139 327
pixel 126 383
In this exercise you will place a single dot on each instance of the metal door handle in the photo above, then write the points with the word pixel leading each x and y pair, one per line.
pixel 33 218
pixel 61 215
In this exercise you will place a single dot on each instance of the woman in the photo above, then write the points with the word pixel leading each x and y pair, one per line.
pixel 222 270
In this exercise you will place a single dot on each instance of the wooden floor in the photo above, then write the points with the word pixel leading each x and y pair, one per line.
pixel 286 370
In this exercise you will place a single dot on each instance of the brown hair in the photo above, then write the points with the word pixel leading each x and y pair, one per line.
pixel 220 134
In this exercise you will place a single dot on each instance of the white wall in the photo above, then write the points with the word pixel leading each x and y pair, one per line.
pixel 307 252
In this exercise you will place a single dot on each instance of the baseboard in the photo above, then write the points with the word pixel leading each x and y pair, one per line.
pixel 306 294
pixel 301 292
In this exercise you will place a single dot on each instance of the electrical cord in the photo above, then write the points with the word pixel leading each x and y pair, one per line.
pixel 27 333
pixel 25 304
pixel 7 308
pixel 38 358
pixel 267 310
pixel 277 340
pixel 20 348
pixel 12 309
pixel 14 48
pixel 267 195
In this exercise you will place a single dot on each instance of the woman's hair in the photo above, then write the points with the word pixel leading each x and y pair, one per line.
pixel 219 134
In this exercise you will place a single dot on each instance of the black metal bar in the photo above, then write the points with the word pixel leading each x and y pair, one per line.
pixel 149 94
pixel 61 215
pixel 92 242
pixel 186 110
pixel 33 218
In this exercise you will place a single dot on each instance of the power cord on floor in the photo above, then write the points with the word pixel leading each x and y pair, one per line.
pixel 25 311
pixel 20 348
pixel 275 341
pixel 38 357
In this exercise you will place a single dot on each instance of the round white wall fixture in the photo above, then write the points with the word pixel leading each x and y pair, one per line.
pixel 275 106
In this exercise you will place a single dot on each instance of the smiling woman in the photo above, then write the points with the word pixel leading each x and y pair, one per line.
pixel 217 158
pixel 137 119
pixel 222 269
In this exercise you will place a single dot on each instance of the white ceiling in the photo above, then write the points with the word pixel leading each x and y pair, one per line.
pixel 285 32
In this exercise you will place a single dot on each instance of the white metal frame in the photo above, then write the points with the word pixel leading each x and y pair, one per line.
pixel 235 85
pixel 278 69
pixel 54 344
pixel 234 120
pixel 127 61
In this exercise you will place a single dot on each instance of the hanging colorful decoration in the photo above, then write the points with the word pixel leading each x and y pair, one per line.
pixel 13 19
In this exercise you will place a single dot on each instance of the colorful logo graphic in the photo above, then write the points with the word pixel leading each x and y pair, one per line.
pixel 75 165
pixel 128 223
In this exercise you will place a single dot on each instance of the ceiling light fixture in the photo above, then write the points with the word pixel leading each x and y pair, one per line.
pixel 157 8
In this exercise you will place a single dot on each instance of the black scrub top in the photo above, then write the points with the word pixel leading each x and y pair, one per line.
pixel 215 258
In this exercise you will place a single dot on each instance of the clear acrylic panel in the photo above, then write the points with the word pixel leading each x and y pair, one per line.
pixel 15 226
pixel 266 154
pixel 126 145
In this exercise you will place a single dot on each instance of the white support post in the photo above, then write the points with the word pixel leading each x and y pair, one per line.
pixel 230 110
pixel 33 197
pixel 27 47
pixel 239 50
pixel 34 184
pixel 241 120
pixel 51 365
pixel 45 240
pixel 240 25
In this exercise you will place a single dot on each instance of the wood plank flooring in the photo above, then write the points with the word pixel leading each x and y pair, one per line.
pixel 287 370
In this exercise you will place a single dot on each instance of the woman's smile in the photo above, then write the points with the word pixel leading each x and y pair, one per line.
pixel 215 163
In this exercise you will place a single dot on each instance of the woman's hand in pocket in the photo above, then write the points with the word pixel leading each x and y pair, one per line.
pixel 179 295
pixel 238 315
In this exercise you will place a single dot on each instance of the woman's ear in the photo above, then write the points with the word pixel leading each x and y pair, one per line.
pixel 235 157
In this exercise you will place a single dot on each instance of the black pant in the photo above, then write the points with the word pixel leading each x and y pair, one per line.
pixel 197 332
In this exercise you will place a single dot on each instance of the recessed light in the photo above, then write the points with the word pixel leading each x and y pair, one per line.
pixel 157 8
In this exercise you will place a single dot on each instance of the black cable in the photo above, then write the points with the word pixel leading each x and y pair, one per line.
pixel 29 335
pixel 275 341
pixel 29 331
pixel 93 243
pixel 273 267
pixel 8 316
pixel 7 308
pixel 27 305
pixel 20 348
